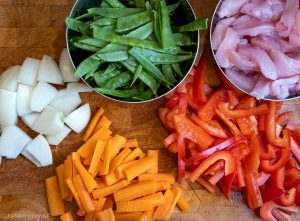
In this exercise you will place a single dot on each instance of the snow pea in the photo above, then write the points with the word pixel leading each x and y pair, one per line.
pixel 148 6
pixel 137 74
pixel 198 24
pixel 119 80
pixel 141 86
pixel 115 12
pixel 168 73
pixel 92 41
pixel 101 78
pixel 157 27
pixel 173 7
pixel 85 16
pixel 89 65
pixel 78 26
pixel 113 56
pixel 118 93
pixel 182 39
pixel 177 69
pixel 133 21
pixel 140 3
pixel 104 22
pixel 115 3
pixel 86 47
pixel 167 41
pixel 146 95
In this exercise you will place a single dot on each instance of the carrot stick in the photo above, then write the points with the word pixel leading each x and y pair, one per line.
pixel 134 206
pixel 182 204
pixel 163 185
pixel 155 199
pixel 67 217
pixel 133 155
pixel 117 144
pixel 106 215
pixel 161 211
pixel 111 178
pixel 100 146
pixel 103 123
pixel 75 156
pixel 140 166
pixel 109 189
pixel 110 202
pixel 176 194
pixel 93 124
pixel 167 177
pixel 60 177
pixel 101 185
pixel 72 188
pixel 134 191
pixel 83 194
pixel 106 158
pixel 131 143
pixel 55 202
pixel 88 180
pixel 120 169
pixel 153 153
pixel 100 204
pixel 135 216
pixel 89 216
pixel 87 161
pixel 81 213
pixel 68 167
pixel 142 156
pixel 118 160
pixel 149 214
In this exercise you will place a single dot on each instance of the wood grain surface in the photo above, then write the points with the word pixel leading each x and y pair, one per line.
pixel 36 27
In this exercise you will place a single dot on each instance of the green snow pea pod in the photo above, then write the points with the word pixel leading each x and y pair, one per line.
pixel 115 12
pixel 157 27
pixel 107 28
pixel 118 93
pixel 140 3
pixel 137 74
pixel 92 41
pixel 168 73
pixel 78 26
pixel 182 39
pixel 102 78
pixel 115 3
pixel 141 86
pixel 173 7
pixel 104 22
pixel 198 24
pixel 89 65
pixel 104 4
pixel 177 69
pixel 133 21
pixel 119 80
pixel 167 41
pixel 148 6
pixel 113 56
pixel 86 46
pixel 146 95
pixel 85 16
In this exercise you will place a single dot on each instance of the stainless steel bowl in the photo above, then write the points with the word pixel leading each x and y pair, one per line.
pixel 214 20
pixel 184 12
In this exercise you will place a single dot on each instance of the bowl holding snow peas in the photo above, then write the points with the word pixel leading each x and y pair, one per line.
pixel 133 50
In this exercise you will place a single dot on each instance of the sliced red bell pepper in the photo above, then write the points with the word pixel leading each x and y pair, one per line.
pixel 253 191
pixel 172 102
pixel 217 166
pixel 182 104
pixel 247 125
pixel 211 127
pixel 252 161
pixel 277 178
pixel 292 163
pixel 181 158
pixel 228 180
pixel 288 199
pixel 297 200
pixel 292 177
pixel 247 102
pixel 233 99
pixel 207 185
pixel 162 114
pixel 269 155
pixel 191 131
pixel 230 164
pixel 265 211
pixel 190 98
pixel 207 111
pixel 296 135
pixel 295 149
pixel 173 148
pixel 239 151
pixel 170 95
pixel 232 127
pixel 283 118
pixel 270 193
pixel 170 139
pixel 240 176
pixel 199 81
pixel 170 117
pixel 214 179
pixel 262 122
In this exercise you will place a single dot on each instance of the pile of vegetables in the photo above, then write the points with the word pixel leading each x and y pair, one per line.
pixel 137 50
pixel 110 178
pixel 234 142
pixel 26 92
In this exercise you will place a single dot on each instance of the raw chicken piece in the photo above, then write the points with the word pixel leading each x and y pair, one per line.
pixel 240 79
pixel 262 88
pixel 230 7
pixel 229 43
pixel 220 32
pixel 262 59
pixel 243 42
pixel 285 25
pixel 265 42
pixel 286 66
pixel 294 37
pixel 280 88
pixel 241 62
pixel 242 20
pixel 256 27
pixel 285 46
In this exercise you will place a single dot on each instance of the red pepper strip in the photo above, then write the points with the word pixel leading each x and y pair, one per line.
pixel 267 155
pixel 288 199
pixel 171 94
pixel 295 149
pixel 278 107
pixel 173 148
pixel 181 158
pixel 224 107
pixel 210 151
pixel 261 122
pixel 266 210
pixel 199 81
pixel 170 139
pixel 252 160
pixel 239 151
pixel 232 127
pixel 283 118
pixel 228 180
pixel 296 135
pixel 292 177
pixel 162 114
pixel 214 179
pixel 247 125
pixel 277 178
pixel 233 99
pixel 182 104
pixel 211 127
pixel 240 177
pixel 190 98
pixel 292 163
pixel 217 166
pixel 230 164
pixel 253 191
pixel 262 178
pixel 170 117
pixel 297 200
pixel 172 102
pixel 191 145
pixel 210 187
pixel 207 111
pixel 247 102
pixel 270 193
pixel 187 129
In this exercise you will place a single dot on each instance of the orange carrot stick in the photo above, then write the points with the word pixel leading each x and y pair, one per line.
pixel 149 214
pixel 101 185
pixel 55 202
pixel 111 178
pixel 100 146
pixel 72 188
pixel 88 180
pixel 89 216
pixel 133 155
pixel 176 194
pixel 167 177
pixel 182 204
pixel 135 216
pixel 75 156
pixel 140 166
pixel 153 153
pixel 87 161
pixel 61 181
pixel 83 194
pixel 110 202
pixel 117 144
pixel 81 213
pixel 120 169
pixel 142 156
pixel 155 199
pixel 109 189
pixel 161 211
pixel 67 217
pixel 93 124
pixel 106 158
pixel 100 204
pixel 163 185
pixel 131 143
pixel 119 159
pixel 106 215
pixel 134 191
pixel 134 206
pixel 103 123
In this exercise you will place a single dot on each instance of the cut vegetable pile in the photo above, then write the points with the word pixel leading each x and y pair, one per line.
pixel 110 178
pixel 235 143
pixel 26 92
pixel 137 51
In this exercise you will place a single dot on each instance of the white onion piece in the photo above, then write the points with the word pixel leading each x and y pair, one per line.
pixel 58 138
pixel 79 87
pixel 29 71
pixel 42 95
pixel 49 71
pixel 23 99
pixel 29 119
pixel 12 141
pixel 66 67
pixel 38 152
pixel 9 79
pixel 67 102
pixel 8 108
pixel 79 118
pixel 50 122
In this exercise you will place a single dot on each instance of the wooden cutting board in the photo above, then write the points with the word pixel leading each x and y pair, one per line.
pixel 36 27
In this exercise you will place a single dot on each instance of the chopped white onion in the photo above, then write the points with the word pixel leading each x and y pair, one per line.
pixel 66 67
pixel 23 99
pixel 9 79
pixel 38 152
pixel 49 71
pixel 79 118
pixel 79 87
pixel 29 119
pixel 58 138
pixel 50 122
pixel 29 71
pixel 12 141
pixel 66 101
pixel 42 95
pixel 8 108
